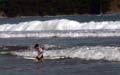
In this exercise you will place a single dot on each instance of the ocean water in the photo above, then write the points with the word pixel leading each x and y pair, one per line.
pixel 10 65
pixel 73 45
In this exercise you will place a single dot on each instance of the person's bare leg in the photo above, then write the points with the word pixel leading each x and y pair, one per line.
pixel 36 60
pixel 42 59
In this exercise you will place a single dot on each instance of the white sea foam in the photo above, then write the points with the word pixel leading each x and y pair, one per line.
pixel 40 34
pixel 59 24
pixel 60 28
pixel 87 53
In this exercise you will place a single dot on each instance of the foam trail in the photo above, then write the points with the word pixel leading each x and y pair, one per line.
pixel 40 34
pixel 86 53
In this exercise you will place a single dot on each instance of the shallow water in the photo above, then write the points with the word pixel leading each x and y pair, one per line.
pixel 18 66
pixel 62 41
pixel 92 47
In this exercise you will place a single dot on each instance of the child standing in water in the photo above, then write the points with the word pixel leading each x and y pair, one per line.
pixel 39 50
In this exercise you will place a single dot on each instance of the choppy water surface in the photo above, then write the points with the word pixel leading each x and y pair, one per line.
pixel 74 45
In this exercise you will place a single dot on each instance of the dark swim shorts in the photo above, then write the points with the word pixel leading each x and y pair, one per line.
pixel 38 58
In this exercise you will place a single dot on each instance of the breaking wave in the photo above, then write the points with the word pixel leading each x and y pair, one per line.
pixel 86 53
pixel 60 28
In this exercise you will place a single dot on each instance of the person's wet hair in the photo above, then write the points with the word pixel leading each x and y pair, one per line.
pixel 36 45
